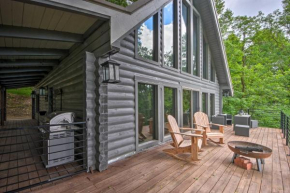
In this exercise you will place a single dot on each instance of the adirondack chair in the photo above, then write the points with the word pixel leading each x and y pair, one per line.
pixel 180 144
pixel 201 122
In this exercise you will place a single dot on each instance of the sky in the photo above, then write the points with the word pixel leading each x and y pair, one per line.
pixel 252 7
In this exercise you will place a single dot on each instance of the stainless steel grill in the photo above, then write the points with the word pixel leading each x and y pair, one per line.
pixel 58 146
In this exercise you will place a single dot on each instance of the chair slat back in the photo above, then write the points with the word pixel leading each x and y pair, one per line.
pixel 201 118
pixel 173 127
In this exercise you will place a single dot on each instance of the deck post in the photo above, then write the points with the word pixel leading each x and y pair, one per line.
pixel 5 105
pixel 2 107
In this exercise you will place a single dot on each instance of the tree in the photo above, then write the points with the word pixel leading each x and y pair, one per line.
pixel 258 50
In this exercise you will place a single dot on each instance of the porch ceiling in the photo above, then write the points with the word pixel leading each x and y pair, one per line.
pixel 34 38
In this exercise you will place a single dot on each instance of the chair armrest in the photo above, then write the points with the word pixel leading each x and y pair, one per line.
pixel 187 134
pixel 204 127
pixel 186 129
pixel 217 124
pixel 191 129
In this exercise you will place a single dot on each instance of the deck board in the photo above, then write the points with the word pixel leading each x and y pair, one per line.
pixel 155 171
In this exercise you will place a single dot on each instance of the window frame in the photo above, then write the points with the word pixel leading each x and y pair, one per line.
pixel 175 37
pixel 144 80
pixel 205 58
pixel 212 71
pixel 156 40
pixel 168 137
pixel 198 63
pixel 212 106
pixel 189 38
pixel 191 103
pixel 206 102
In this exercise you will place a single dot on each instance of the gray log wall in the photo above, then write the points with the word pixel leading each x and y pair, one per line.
pixel 121 97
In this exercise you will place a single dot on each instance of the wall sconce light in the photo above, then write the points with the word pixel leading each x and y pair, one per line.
pixel 33 95
pixel 111 69
pixel 42 91
pixel 111 72
pixel 226 93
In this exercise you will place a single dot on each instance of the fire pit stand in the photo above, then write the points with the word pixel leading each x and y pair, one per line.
pixel 252 150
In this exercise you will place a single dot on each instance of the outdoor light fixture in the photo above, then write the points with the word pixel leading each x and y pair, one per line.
pixel 226 93
pixel 111 72
pixel 42 91
pixel 33 95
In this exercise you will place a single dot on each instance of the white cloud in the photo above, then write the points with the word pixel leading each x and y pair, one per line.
pixel 146 37
pixel 168 37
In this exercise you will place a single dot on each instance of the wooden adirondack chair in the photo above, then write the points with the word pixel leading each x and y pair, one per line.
pixel 201 122
pixel 180 145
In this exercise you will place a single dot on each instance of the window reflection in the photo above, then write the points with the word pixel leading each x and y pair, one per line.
pixel 168 17
pixel 145 39
pixel 169 106
pixel 184 34
pixel 194 39
pixel 186 108
pixel 146 112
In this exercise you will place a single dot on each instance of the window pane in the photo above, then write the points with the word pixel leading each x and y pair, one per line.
pixel 168 17
pixel 205 68
pixel 184 34
pixel 212 105
pixel 204 103
pixel 147 112
pixel 195 105
pixel 145 39
pixel 195 39
pixel 186 108
pixel 169 106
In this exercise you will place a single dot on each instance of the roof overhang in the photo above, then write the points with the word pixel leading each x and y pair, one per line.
pixel 211 26
pixel 123 20
pixel 36 35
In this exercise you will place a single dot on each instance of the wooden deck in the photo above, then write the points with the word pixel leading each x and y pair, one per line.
pixel 155 171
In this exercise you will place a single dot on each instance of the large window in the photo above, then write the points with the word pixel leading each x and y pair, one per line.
pixel 204 103
pixel 147 109
pixel 205 60
pixel 186 108
pixel 184 38
pixel 212 105
pixel 168 22
pixel 146 39
pixel 195 101
pixel 212 71
pixel 195 67
pixel 170 95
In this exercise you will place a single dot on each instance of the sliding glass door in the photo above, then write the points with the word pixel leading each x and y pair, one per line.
pixel 170 98
pixel 147 112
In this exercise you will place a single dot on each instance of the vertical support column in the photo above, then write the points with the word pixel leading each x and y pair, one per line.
pixel 5 105
pixel 2 107
pixel 33 105
pixel 96 114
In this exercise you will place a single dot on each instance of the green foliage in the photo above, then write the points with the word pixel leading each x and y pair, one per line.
pixel 21 91
pixel 123 3
pixel 258 50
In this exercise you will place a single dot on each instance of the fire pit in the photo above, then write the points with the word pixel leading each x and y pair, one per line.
pixel 252 150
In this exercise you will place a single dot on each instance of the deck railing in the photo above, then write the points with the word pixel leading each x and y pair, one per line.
pixel 32 156
pixel 284 125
